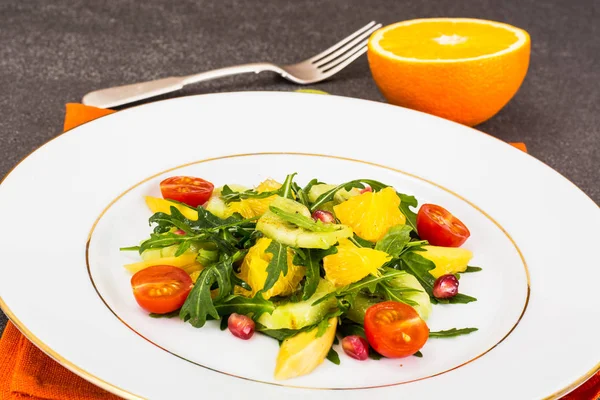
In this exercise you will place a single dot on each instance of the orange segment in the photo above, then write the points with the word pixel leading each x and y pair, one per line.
pixel 350 264
pixel 371 215
pixel 461 69
pixel 254 272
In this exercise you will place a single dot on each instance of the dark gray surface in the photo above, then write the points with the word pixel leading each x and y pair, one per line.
pixel 54 53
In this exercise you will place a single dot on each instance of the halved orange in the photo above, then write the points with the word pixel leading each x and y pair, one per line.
pixel 460 69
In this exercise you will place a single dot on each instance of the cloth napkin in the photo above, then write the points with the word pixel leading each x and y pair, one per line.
pixel 28 373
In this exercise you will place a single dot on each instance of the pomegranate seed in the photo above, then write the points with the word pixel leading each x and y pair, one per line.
pixel 324 216
pixel 445 286
pixel 179 232
pixel 356 347
pixel 240 326
pixel 367 189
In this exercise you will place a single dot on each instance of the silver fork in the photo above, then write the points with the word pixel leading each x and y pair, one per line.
pixel 314 69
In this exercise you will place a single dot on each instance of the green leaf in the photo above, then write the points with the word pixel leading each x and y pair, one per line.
pixel 304 222
pixel 132 248
pixel 461 298
pixel 224 322
pixel 348 328
pixel 395 294
pixel 369 283
pixel 406 202
pixel 167 315
pixel 360 242
pixel 374 355
pixel 278 264
pixel 285 190
pixel 333 356
pixel 395 240
pixel 199 303
pixel 300 194
pixel 282 334
pixel 419 267
pixel 471 269
pixel 311 260
pixel 451 332
pixel 255 306
pixel 322 327
pixel 418 354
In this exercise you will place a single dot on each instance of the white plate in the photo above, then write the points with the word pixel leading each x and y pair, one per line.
pixel 68 207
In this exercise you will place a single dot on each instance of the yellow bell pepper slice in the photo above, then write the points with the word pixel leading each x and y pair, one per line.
pixel 156 204
pixel 186 262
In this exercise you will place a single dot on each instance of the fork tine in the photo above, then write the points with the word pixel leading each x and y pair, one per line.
pixel 341 43
pixel 348 47
pixel 347 61
pixel 344 57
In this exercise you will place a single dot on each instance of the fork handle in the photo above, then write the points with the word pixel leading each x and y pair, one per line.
pixel 116 96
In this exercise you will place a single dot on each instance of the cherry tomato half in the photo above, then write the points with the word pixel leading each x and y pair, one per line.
pixel 187 189
pixel 395 329
pixel 439 227
pixel 161 289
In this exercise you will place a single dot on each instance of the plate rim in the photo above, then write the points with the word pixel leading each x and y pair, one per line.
pixel 129 395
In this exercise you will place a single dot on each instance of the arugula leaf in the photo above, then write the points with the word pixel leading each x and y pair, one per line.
pixel 460 298
pixel 395 294
pixel 278 264
pixel 303 222
pixel 255 306
pixel 348 328
pixel 471 269
pixel 199 303
pixel 451 332
pixel 419 266
pixel 418 354
pixel 167 315
pixel 224 322
pixel 300 194
pixel 228 195
pixel 310 184
pixel 281 334
pixel 373 355
pixel 360 242
pixel 406 202
pixel 369 282
pixel 312 263
pixel 395 240
pixel 333 356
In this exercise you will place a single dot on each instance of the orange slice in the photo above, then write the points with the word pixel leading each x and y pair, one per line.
pixel 254 272
pixel 461 69
pixel 371 215
pixel 350 264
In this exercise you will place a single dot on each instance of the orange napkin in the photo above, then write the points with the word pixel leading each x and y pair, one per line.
pixel 27 373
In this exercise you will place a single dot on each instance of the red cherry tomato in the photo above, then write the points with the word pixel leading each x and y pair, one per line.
pixel 439 227
pixel 187 189
pixel 161 289
pixel 395 329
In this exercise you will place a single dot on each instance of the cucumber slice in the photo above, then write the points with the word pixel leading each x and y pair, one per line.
pixel 217 206
pixel 273 227
pixel 303 313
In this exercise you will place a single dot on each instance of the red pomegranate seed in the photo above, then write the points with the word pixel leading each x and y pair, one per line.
pixel 324 216
pixel 356 347
pixel 445 286
pixel 179 232
pixel 366 189
pixel 240 326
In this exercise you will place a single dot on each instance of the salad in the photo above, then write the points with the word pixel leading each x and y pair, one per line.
pixel 311 266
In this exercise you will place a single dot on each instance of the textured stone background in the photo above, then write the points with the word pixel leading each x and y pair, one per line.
pixel 53 52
